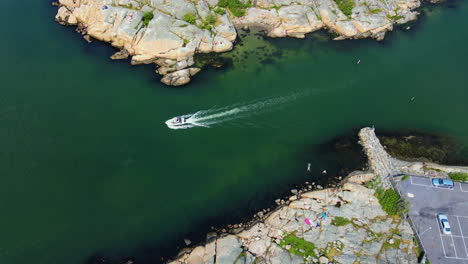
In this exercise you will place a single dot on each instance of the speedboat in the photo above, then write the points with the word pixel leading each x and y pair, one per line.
pixel 177 121
pixel 184 121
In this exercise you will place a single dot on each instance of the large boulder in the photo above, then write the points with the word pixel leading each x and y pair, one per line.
pixel 179 77
pixel 228 249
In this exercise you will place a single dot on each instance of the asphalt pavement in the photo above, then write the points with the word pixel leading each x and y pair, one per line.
pixel 426 201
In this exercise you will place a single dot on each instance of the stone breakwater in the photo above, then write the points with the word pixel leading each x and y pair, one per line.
pixel 170 33
pixel 344 224
pixel 379 161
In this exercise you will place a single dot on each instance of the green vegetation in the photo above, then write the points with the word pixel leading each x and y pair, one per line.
pixel 427 168
pixel 190 18
pixel 458 176
pixel 395 17
pixel 372 184
pixel 374 11
pixel 405 177
pixel 298 246
pixel 396 244
pixel 236 7
pixel 332 250
pixel 219 11
pixel 346 6
pixel 391 201
pixel 147 17
pixel 276 7
pixel 211 19
pixel 340 221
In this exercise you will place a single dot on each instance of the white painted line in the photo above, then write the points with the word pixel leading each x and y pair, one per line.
pixel 461 188
pixel 431 186
pixel 454 247
pixel 453 236
pixel 456 258
pixel 443 248
pixel 459 216
pixel 463 239
pixel 441 240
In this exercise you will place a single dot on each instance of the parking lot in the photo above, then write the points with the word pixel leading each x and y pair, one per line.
pixel 426 201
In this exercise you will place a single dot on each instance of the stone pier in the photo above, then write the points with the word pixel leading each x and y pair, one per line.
pixel 380 162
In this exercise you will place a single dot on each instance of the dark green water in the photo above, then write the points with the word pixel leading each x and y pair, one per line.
pixel 88 166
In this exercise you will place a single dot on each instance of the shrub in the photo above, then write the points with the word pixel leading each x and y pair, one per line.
pixel 405 177
pixel 219 11
pixel 377 10
pixel 211 19
pixel 458 176
pixel 346 6
pixel 298 246
pixel 391 201
pixel 340 221
pixel 147 17
pixel 236 7
pixel 190 18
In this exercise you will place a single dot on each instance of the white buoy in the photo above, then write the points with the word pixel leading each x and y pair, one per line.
pixel 359 61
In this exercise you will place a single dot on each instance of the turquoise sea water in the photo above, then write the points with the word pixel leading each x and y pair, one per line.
pixel 89 168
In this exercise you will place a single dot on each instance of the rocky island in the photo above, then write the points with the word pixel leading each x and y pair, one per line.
pixel 170 33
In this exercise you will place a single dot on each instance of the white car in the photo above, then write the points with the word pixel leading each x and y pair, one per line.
pixel 444 224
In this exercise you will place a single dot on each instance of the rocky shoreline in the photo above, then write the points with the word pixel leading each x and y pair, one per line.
pixel 342 224
pixel 170 33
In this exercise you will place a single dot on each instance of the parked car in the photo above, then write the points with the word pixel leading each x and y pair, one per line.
pixel 445 183
pixel 444 224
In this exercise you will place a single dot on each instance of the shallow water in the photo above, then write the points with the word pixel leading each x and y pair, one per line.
pixel 89 167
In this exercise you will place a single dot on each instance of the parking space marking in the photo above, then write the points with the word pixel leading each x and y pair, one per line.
pixel 442 241
pixel 454 247
pixel 463 239
pixel 455 232
pixel 461 188
pixel 431 186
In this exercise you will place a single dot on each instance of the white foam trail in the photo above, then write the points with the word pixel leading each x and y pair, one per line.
pixel 210 117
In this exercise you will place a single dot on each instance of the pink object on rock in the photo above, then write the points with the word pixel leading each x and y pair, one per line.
pixel 307 221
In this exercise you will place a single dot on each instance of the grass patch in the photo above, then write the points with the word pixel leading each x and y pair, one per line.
pixel 236 7
pixel 190 18
pixel 211 19
pixel 396 244
pixel 219 11
pixel 298 246
pixel 395 17
pixel 346 6
pixel 391 202
pixel 340 221
pixel 147 17
pixel 374 11
pixel 458 176
pixel 372 184
pixel 405 177
pixel 427 168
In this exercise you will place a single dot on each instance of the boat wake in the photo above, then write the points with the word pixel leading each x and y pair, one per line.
pixel 214 116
